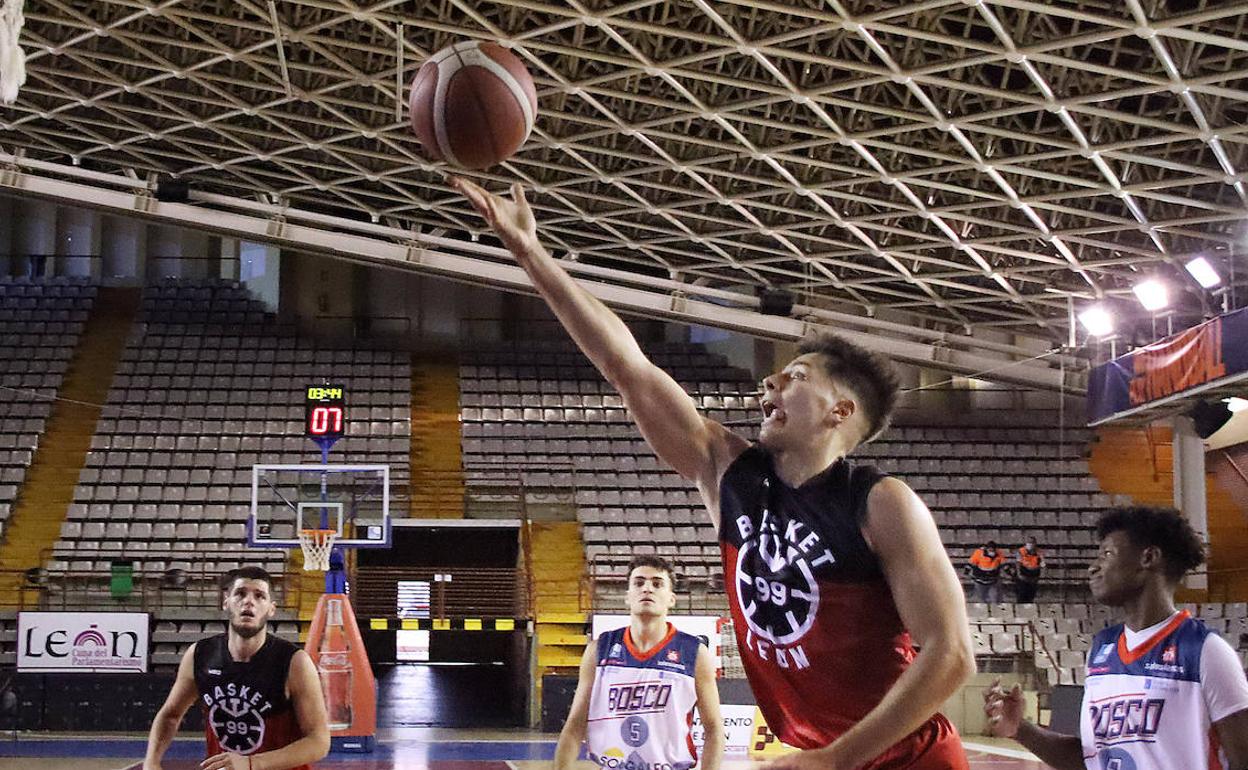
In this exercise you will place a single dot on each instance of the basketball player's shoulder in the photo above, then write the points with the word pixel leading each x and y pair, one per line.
pixel 1193 631
pixel 611 642
pixel 751 461
pixel 280 650
pixel 687 639
pixel 284 645
pixel 209 645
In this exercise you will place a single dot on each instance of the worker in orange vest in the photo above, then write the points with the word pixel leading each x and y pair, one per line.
pixel 1030 563
pixel 985 568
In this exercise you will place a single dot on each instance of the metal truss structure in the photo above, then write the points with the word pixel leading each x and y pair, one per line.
pixel 978 165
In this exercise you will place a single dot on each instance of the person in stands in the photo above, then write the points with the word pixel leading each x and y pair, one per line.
pixel 985 568
pixel 1028 566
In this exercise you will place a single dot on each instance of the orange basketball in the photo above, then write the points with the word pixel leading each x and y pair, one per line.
pixel 473 104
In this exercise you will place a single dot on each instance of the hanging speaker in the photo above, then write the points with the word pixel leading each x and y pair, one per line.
pixel 775 302
pixel 173 190
pixel 1208 417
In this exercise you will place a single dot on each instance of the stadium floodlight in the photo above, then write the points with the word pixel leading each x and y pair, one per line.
pixel 1236 404
pixel 1152 294
pixel 1203 272
pixel 1097 321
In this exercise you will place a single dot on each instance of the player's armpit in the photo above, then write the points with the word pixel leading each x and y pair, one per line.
pixel 924 585
pixel 694 446
pixel 1233 736
pixel 929 599
pixel 304 686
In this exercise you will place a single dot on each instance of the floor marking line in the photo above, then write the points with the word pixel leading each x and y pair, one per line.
pixel 1000 751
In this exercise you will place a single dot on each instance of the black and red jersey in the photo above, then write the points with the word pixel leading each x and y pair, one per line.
pixel 819 634
pixel 245 703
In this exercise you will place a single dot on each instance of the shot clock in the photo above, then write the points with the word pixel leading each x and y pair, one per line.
pixel 325 413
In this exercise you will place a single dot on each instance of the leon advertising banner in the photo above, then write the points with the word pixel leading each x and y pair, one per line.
pixel 86 642
pixel 738 728
pixel 1203 354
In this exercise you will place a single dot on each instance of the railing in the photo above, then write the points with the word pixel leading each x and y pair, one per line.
pixel 1222 587
pixel 693 595
pixel 196 588
pixel 455 592
pixel 360 327
pixel 1038 644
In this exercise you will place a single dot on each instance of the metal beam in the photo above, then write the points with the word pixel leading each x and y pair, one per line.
pixel 491 266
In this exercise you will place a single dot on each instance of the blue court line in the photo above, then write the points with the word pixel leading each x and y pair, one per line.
pixel 193 748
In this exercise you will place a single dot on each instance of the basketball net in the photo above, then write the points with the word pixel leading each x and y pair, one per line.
pixel 317 545
pixel 12 58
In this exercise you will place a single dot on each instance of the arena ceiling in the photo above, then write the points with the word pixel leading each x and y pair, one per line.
pixel 976 163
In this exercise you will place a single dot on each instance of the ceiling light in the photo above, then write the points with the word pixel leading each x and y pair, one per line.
pixel 1153 294
pixel 1097 321
pixel 1236 404
pixel 1204 273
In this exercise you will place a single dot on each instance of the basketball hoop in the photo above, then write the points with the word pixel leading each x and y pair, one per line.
pixel 316 545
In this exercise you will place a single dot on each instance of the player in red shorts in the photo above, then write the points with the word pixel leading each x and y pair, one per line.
pixel 834 571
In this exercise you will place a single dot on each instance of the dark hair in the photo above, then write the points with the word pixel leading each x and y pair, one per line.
pixel 653 561
pixel 869 375
pixel 250 572
pixel 1163 528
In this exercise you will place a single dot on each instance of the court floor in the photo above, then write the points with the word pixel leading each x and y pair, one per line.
pixel 398 749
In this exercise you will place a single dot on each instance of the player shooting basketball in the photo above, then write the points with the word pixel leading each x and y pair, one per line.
pixel 832 568
pixel 639 684
pixel 261 695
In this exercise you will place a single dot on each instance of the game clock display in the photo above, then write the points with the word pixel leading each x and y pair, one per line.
pixel 325 412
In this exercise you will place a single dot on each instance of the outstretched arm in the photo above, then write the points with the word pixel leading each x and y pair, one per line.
pixel 1004 710
pixel 573 733
pixel 697 448
pixel 165 725
pixel 708 710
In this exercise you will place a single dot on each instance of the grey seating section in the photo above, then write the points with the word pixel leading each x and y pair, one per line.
pixel 40 323
pixel 1057 637
pixel 546 413
pixel 208 386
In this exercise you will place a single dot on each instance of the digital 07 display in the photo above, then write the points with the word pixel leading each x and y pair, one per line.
pixel 325 412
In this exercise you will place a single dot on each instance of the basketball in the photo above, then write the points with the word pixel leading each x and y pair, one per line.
pixel 473 105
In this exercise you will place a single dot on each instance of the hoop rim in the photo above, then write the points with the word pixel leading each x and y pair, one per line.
pixel 316 545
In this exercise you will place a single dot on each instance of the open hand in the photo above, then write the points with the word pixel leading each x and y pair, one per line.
pixel 511 219
pixel 226 760
pixel 1004 709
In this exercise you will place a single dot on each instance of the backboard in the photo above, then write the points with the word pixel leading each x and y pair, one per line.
pixel 353 500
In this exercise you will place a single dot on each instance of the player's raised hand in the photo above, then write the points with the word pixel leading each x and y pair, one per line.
pixel 226 760
pixel 1004 709
pixel 511 219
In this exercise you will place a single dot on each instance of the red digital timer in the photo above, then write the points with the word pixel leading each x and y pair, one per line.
pixel 325 412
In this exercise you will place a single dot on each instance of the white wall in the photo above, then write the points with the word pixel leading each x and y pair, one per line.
pixel 259 267
pixel 6 235
pixel 78 241
pixel 166 244
pixel 34 230
pixel 123 250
